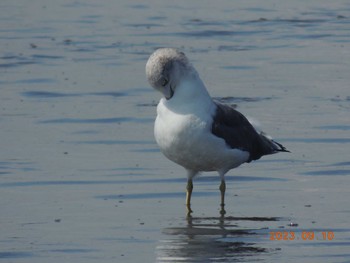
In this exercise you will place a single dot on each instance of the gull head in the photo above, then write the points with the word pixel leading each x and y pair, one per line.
pixel 166 68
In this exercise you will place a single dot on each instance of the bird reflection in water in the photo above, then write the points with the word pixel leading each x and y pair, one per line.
pixel 215 239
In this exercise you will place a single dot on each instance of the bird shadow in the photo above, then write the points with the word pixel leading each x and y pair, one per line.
pixel 222 238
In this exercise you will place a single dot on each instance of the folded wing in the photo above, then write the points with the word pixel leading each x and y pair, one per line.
pixel 239 133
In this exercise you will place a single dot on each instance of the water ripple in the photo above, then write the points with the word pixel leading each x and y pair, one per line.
pixel 97 121
pixel 328 172
pixel 317 140
pixel 49 94
pixel 17 254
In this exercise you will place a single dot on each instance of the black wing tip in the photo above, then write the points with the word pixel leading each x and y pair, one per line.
pixel 280 148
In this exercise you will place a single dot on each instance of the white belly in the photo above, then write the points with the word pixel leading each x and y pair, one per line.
pixel 187 140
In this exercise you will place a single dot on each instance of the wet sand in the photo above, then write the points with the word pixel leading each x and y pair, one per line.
pixel 81 177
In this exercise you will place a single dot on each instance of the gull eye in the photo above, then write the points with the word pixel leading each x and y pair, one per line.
pixel 164 82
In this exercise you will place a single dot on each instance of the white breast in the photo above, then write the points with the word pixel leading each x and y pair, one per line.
pixel 183 133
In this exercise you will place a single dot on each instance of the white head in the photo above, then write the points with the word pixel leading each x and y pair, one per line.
pixel 166 68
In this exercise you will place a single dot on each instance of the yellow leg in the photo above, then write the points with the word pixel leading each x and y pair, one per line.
pixel 189 189
pixel 222 191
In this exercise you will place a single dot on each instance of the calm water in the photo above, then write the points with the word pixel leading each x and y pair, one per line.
pixel 81 178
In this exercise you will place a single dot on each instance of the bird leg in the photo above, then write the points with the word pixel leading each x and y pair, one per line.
pixel 222 191
pixel 189 189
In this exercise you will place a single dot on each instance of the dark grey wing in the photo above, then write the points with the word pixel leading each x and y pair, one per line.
pixel 238 133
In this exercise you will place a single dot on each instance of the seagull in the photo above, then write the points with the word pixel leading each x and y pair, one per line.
pixel 196 131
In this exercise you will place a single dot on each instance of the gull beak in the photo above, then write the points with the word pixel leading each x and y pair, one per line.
pixel 168 92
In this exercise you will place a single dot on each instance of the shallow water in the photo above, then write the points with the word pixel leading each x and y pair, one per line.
pixel 81 177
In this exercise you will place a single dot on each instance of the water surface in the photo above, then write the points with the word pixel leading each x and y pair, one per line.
pixel 81 177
